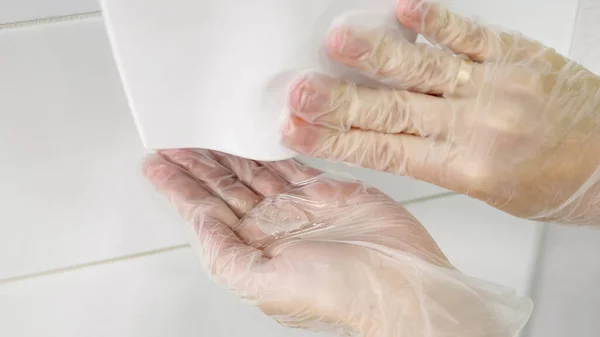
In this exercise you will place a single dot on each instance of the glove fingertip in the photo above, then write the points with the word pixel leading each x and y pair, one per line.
pixel 412 13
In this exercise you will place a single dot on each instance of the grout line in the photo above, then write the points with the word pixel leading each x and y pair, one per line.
pixel 93 264
pixel 50 20
pixel 575 31
pixel 536 274
pixel 540 244
pixel 158 251
pixel 428 198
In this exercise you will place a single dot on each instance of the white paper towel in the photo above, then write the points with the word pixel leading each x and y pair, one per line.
pixel 214 74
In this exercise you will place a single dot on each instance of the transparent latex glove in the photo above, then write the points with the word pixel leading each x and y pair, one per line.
pixel 509 121
pixel 326 255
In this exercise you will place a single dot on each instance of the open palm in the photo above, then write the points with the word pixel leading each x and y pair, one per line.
pixel 323 254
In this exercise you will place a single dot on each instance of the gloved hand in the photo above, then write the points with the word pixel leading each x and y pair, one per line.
pixel 326 255
pixel 492 114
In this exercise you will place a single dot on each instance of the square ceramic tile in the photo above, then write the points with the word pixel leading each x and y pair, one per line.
pixel 399 188
pixel 72 189
pixel 482 241
pixel 22 10
pixel 566 292
pixel 158 296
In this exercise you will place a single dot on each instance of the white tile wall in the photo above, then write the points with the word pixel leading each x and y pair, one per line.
pixel 71 193
pixel 23 10
pixel 71 186
pixel 158 296
pixel 566 292
pixel 169 294
pixel 482 241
